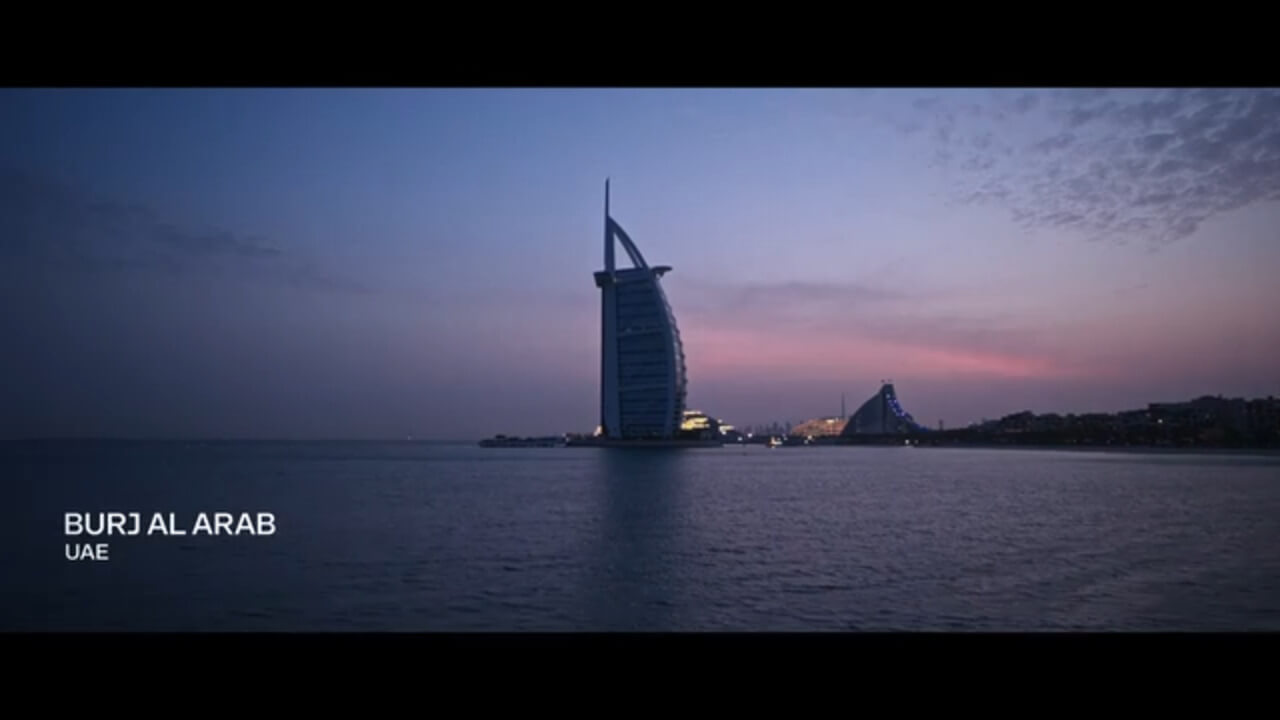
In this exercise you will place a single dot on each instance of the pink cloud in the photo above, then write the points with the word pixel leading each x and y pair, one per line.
pixel 755 353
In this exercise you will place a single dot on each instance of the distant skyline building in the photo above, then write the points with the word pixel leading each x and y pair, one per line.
pixel 642 366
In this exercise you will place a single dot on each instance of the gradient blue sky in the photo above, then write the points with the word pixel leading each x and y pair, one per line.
pixel 380 263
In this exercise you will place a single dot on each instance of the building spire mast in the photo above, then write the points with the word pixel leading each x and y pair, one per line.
pixel 608 237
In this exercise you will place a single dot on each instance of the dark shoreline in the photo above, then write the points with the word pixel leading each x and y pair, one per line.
pixel 1124 449
pixel 1119 449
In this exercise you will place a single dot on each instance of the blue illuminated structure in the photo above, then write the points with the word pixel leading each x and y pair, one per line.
pixel 882 414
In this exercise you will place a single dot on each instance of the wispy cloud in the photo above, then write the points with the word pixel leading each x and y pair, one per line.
pixel 1112 164
pixel 46 223
pixel 786 297
pixel 829 327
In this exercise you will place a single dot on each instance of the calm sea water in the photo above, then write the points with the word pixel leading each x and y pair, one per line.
pixel 416 536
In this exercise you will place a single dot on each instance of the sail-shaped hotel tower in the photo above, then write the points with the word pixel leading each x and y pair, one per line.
pixel 642 369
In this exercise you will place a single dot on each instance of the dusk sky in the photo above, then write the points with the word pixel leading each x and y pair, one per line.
pixel 377 263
